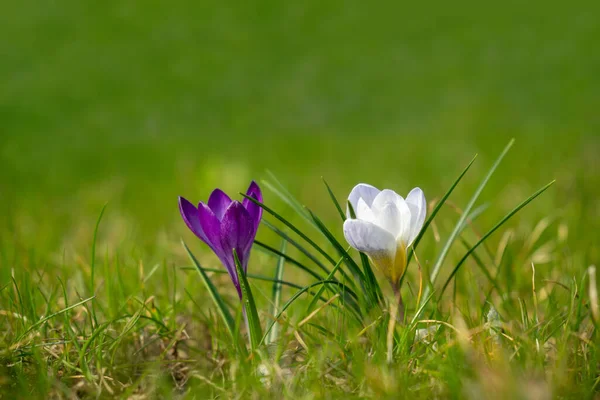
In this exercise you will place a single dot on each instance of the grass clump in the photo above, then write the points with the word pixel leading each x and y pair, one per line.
pixel 510 318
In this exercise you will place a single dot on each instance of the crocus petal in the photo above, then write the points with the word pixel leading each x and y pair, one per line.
pixel 383 249
pixel 254 210
pixel 361 191
pixel 191 217
pixel 364 212
pixel 392 214
pixel 370 239
pixel 211 227
pixel 418 210
pixel 237 232
pixel 218 203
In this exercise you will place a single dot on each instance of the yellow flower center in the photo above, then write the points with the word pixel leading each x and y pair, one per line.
pixel 393 269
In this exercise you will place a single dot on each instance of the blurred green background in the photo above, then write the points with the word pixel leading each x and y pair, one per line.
pixel 136 102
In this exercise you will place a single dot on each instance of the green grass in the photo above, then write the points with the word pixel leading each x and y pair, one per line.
pixel 131 104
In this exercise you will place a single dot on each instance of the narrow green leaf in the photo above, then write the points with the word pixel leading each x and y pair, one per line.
pixel 269 279
pixel 214 294
pixel 491 231
pixel 354 269
pixel 292 227
pixel 293 299
pixel 482 266
pixel 474 215
pixel 284 194
pixel 82 353
pixel 417 315
pixel 254 330
pixel 336 244
pixel 93 262
pixel 250 276
pixel 49 317
pixel 334 200
pixel 457 228
pixel 297 245
pixel 287 258
pixel 302 235
pixel 437 208
pixel 322 288
pixel 276 293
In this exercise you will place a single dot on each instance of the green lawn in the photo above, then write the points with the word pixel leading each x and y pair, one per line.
pixel 133 103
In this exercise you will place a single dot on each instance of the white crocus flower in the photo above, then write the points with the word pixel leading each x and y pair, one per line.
pixel 385 226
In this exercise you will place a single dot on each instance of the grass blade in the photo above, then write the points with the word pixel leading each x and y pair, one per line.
pixel 45 319
pixel 93 262
pixel 284 194
pixel 349 261
pixel 268 249
pixel 438 265
pixel 297 245
pixel 254 330
pixel 491 231
pixel 214 294
pixel 334 200
pixel 437 208
pixel 344 288
pixel 293 299
pixel 276 293
pixel 297 231
pixel 292 227
pixel 322 288
pixel 482 266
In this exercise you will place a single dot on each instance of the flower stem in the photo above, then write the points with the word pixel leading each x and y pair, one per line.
pixel 396 315
pixel 399 302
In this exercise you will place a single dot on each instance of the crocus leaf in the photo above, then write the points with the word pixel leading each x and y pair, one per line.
pixel 294 298
pixel 349 261
pixel 254 330
pixel 437 208
pixel 343 287
pixel 352 266
pixel 293 228
pixel 322 288
pixel 457 228
pixel 297 245
pixel 334 200
pixel 481 266
pixel 296 230
pixel 490 232
pixel 214 294
pixel 276 293
pixel 287 258
pixel 284 194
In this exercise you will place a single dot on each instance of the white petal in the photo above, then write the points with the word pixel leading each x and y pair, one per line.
pixel 364 212
pixel 386 196
pixel 361 191
pixel 392 214
pixel 370 239
pixel 418 209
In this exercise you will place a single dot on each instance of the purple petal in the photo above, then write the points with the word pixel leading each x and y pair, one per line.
pixel 212 230
pixel 218 203
pixel 237 232
pixel 191 217
pixel 254 210
pixel 211 227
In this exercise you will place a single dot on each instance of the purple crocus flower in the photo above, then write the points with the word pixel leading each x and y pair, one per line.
pixel 225 224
